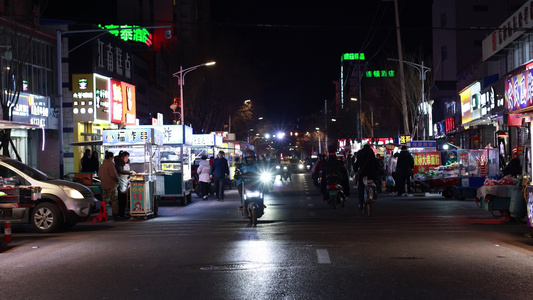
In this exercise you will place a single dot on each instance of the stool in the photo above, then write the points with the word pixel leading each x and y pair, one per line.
pixel 102 215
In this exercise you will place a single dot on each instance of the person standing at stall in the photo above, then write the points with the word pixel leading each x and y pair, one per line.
pixel 123 170
pixel 109 179
pixel 95 162
pixel 203 176
pixel 86 161
pixel 219 172
pixel 404 170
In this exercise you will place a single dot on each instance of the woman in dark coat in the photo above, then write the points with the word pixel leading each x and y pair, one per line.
pixel 367 166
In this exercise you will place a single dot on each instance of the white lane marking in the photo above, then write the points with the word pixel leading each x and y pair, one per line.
pixel 323 256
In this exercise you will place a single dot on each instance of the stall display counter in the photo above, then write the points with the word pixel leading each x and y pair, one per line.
pixel 141 201
pixel 15 199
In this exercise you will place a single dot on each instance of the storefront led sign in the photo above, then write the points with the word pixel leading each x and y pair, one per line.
pixel 405 139
pixel 379 73
pixel 91 97
pixel 32 109
pixel 353 56
pixel 519 91
pixel 130 33
pixel 123 103
pixel 425 161
pixel 470 103
pixel 171 134
pixel 132 136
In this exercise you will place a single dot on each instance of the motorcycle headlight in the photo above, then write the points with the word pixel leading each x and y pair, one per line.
pixel 300 166
pixel 265 177
pixel 284 168
pixel 72 193
pixel 277 167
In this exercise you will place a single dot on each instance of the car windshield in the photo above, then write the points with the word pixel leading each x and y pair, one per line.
pixel 33 173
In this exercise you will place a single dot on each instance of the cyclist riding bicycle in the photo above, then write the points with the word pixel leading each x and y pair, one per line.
pixel 367 166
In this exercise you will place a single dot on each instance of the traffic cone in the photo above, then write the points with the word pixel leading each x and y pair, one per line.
pixel 7 232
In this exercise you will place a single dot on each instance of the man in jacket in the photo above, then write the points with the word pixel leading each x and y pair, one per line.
pixel 404 171
pixel 367 166
pixel 109 179
pixel 219 171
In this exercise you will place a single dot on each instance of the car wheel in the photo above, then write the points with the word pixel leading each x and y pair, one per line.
pixel 46 217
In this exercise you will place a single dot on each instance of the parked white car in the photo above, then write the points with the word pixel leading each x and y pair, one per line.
pixel 62 204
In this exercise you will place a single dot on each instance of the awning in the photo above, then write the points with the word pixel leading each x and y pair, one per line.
pixel 481 121
pixel 87 143
pixel 16 125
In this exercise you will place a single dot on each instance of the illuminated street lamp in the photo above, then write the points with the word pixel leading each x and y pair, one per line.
pixel 181 81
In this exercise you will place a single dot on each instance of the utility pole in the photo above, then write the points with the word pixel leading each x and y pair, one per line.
pixel 402 74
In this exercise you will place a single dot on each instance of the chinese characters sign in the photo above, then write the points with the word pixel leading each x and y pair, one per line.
pixel 132 136
pixel 423 144
pixel 425 161
pixel 405 139
pixel 379 73
pixel 470 103
pixel 353 56
pixel 519 91
pixel 113 59
pixel 123 103
pixel 130 33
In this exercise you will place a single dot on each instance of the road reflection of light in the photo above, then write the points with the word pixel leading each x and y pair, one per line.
pixel 253 254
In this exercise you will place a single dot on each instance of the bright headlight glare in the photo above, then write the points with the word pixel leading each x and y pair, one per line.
pixel 265 177
pixel 277 167
pixel 253 194
pixel 300 166
pixel 72 193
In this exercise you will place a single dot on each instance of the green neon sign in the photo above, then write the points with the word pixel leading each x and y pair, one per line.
pixel 353 56
pixel 130 33
pixel 379 73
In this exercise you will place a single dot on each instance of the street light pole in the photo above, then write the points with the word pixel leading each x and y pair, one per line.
pixel 181 81
pixel 423 70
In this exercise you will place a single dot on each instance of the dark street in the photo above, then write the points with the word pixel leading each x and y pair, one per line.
pixel 420 247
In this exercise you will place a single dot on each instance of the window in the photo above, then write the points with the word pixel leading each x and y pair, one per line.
pixel 480 8
pixel 444 53
pixel 442 20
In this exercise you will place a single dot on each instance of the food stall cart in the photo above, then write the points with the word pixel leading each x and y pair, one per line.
pixel 143 144
pixel 173 177
pixel 429 175
pixel 203 144
pixel 475 166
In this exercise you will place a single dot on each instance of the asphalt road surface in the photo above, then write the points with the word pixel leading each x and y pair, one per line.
pixel 411 248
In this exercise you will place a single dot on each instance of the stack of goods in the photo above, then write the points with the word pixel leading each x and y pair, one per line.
pixel 503 181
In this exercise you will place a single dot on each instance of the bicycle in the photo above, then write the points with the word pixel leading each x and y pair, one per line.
pixel 370 196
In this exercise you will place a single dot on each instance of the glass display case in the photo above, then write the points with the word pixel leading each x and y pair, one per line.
pixel 479 162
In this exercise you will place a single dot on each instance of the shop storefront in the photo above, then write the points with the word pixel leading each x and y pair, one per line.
pixel 99 103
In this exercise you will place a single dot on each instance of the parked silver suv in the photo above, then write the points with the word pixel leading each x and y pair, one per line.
pixel 62 203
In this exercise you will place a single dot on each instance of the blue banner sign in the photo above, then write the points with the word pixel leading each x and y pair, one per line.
pixel 132 136
pixel 423 144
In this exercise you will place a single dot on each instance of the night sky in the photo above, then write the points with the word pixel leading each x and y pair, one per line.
pixel 297 45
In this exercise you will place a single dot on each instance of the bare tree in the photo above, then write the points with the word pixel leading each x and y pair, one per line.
pixel 413 84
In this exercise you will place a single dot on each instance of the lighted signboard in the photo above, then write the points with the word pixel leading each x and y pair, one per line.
pixel 405 139
pixel 519 91
pixel 425 161
pixel 32 109
pixel 130 33
pixel 172 134
pixel 102 88
pixel 123 103
pixel 353 56
pixel 132 136
pixel 470 103
pixel 91 97
pixel 379 73
pixel 206 140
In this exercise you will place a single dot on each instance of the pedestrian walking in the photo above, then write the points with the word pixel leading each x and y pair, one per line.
pixel 219 172
pixel 86 161
pixel 404 171
pixel 203 176
pixel 109 180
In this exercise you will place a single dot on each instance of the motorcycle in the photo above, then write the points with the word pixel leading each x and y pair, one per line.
pixel 335 191
pixel 253 186
pixel 284 172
